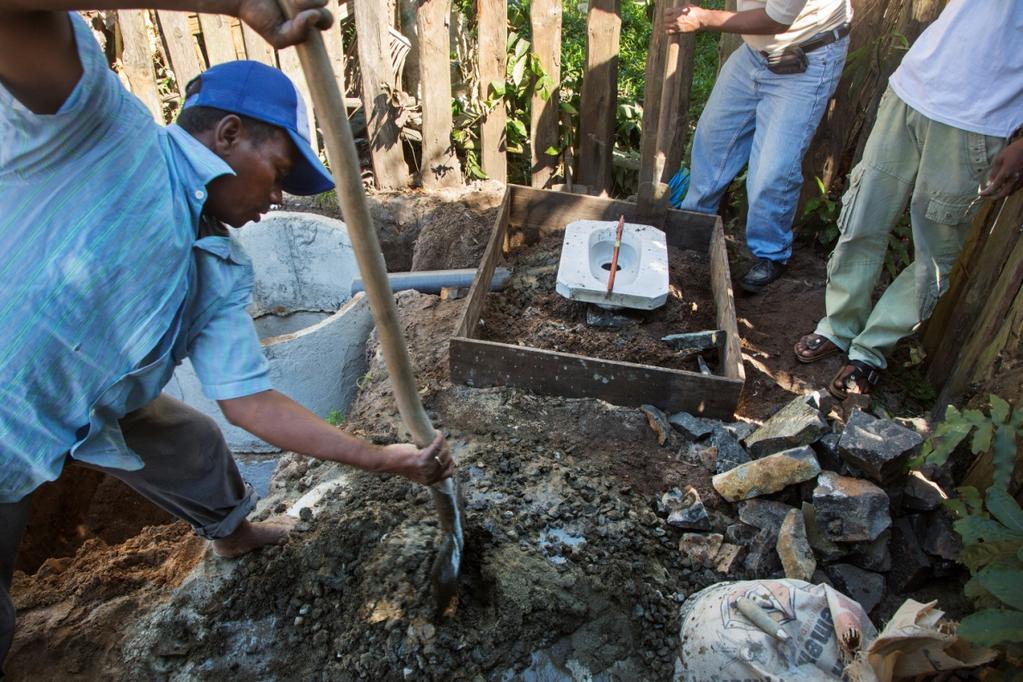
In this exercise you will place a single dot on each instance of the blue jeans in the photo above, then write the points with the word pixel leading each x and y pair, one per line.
pixel 768 120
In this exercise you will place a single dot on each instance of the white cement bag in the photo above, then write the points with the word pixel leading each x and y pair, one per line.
pixel 720 644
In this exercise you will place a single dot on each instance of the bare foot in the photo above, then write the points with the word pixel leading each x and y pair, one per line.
pixel 249 536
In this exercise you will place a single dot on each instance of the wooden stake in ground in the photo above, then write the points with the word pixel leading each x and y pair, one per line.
pixel 344 164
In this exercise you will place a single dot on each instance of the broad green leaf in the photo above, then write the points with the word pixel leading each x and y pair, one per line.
pixel 992 626
pixel 999 409
pixel 518 71
pixel 982 438
pixel 971 497
pixel 1004 456
pixel 951 414
pixel 497 89
pixel 977 528
pixel 977 555
pixel 517 126
pixel 946 438
pixel 1004 508
pixel 552 151
pixel 957 507
pixel 1017 419
pixel 974 589
pixel 1004 583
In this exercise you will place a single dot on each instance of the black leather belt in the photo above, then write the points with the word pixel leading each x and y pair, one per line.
pixel 825 38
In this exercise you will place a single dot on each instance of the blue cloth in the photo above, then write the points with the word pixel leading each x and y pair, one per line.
pixel 768 120
pixel 107 285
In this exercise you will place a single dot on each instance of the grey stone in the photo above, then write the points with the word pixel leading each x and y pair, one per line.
pixel 877 447
pixel 658 421
pixel 767 475
pixel 850 509
pixel 691 514
pixel 794 549
pixel 798 423
pixel 670 500
pixel 740 534
pixel 826 448
pixel 740 430
pixel 608 319
pixel 692 427
pixel 865 587
pixel 910 565
pixel 764 514
pixel 922 494
pixel 761 556
pixel 704 367
pixel 695 342
pixel 828 550
pixel 700 549
pixel 730 453
pixel 940 539
pixel 875 555
pixel 729 559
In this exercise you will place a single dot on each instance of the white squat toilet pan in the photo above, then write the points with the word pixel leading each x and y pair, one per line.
pixel 641 279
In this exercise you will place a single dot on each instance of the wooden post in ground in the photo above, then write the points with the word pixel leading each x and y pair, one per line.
pixel 293 69
pixel 545 19
pixel 729 42
pixel 410 76
pixel 335 50
pixel 256 48
pixel 371 22
pixel 493 50
pixel 181 47
pixel 216 35
pixel 138 60
pixel 599 98
pixel 678 120
pixel 440 163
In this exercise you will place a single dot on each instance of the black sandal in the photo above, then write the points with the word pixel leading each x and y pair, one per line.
pixel 856 377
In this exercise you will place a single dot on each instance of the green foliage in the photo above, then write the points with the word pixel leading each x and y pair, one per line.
pixel 336 418
pixel 820 217
pixel 991 526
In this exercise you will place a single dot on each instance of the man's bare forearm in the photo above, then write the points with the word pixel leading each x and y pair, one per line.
pixel 695 18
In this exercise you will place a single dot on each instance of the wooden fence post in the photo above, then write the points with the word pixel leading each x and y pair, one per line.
pixel 493 54
pixel 371 22
pixel 440 163
pixel 598 102
pixel 545 19
pixel 181 47
pixel 293 69
pixel 216 35
pixel 138 60
pixel 410 77
pixel 729 42
pixel 335 50
pixel 256 48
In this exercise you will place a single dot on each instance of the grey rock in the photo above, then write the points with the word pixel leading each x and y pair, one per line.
pixel 692 427
pixel 740 534
pixel 670 500
pixel 850 509
pixel 877 447
pixel 740 430
pixel 873 556
pixel 691 514
pixel 793 548
pixel 767 475
pixel 730 453
pixel 910 565
pixel 764 514
pixel 608 319
pixel 695 342
pixel 940 539
pixel 922 494
pixel 761 556
pixel 825 548
pixel 826 448
pixel 658 421
pixel 865 587
pixel 729 559
pixel 798 423
pixel 704 367
pixel 700 549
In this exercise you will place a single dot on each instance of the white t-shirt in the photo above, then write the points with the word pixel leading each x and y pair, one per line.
pixel 807 19
pixel 966 69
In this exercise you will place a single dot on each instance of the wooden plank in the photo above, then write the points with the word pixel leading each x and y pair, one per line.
pixel 598 101
pixel 371 22
pixel 257 49
pixel 216 36
pixel 181 45
pixel 730 42
pixel 290 65
pixel 487 363
pixel 539 211
pixel 678 120
pixel 335 49
pixel 407 18
pixel 467 326
pixel 652 103
pixel 137 58
pixel 493 42
pixel 440 166
pixel 545 20
pixel 724 305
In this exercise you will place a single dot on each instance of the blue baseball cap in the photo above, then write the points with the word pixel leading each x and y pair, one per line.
pixel 264 93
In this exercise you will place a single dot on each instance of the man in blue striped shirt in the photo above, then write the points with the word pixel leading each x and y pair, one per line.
pixel 116 266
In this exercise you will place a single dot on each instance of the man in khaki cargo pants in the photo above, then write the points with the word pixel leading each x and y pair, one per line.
pixel 940 137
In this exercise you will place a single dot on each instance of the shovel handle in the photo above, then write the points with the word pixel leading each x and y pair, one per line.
pixel 344 166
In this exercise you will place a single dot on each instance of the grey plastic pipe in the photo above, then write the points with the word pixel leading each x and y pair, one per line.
pixel 432 281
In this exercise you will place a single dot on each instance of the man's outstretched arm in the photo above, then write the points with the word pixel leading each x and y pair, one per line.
pixel 281 421
pixel 695 18
pixel 39 62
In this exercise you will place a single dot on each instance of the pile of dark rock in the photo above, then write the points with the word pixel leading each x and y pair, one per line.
pixel 820 492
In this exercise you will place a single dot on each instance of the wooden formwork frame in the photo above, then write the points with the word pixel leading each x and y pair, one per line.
pixel 525 215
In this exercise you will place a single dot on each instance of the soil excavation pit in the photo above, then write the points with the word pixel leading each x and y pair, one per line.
pixel 529 337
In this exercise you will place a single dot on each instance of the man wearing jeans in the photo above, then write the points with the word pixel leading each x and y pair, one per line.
pixel 940 136
pixel 764 109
